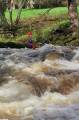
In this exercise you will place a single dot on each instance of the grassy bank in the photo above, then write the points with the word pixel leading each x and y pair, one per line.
pixel 41 26
pixel 28 13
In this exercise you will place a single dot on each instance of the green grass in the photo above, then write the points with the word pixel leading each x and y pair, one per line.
pixel 27 13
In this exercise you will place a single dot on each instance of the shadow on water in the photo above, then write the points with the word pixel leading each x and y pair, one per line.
pixel 12 45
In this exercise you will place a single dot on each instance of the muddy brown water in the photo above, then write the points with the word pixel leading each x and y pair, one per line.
pixel 40 84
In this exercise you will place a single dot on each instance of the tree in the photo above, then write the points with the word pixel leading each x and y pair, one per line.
pixel 11 7
pixel 72 9
pixel 3 20
pixel 10 26
pixel 20 10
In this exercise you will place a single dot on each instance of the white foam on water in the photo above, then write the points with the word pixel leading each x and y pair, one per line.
pixel 25 107
pixel 76 54
pixel 15 98
pixel 62 64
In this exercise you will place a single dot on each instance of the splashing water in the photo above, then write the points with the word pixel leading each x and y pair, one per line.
pixel 39 84
pixel 76 57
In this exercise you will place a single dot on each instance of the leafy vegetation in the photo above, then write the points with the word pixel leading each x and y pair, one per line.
pixel 33 20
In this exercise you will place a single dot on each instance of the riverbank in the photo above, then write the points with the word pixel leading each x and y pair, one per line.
pixel 52 27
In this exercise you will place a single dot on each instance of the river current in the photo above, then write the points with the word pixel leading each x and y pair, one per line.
pixel 40 84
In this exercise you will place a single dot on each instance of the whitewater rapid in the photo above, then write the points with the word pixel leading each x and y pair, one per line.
pixel 40 84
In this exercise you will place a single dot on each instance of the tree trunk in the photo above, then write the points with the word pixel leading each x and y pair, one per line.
pixel 3 20
pixel 72 9
pixel 20 10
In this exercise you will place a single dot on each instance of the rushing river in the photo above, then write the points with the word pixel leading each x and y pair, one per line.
pixel 40 84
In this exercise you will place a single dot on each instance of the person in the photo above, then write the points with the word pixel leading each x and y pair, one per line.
pixel 30 43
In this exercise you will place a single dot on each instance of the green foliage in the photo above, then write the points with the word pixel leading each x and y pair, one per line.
pixel 64 24
pixel 43 33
